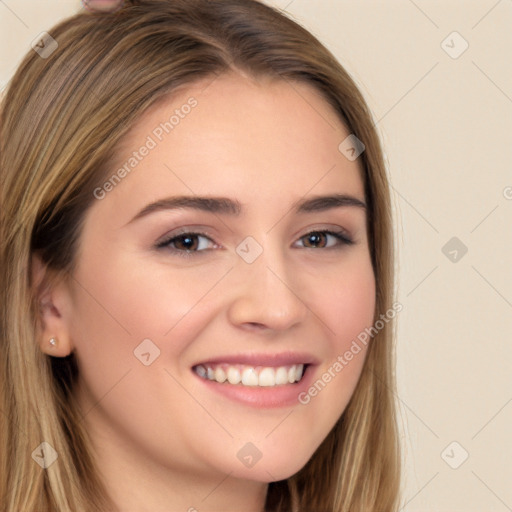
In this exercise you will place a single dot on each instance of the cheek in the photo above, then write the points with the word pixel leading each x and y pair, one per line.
pixel 345 301
pixel 120 308
pixel 116 309
pixel 346 306
pixel 351 312
pixel 353 306
pixel 132 298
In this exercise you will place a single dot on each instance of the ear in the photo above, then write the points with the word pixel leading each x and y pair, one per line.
pixel 53 307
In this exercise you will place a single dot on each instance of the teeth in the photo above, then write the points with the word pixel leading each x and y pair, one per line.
pixel 281 376
pixel 263 376
pixel 250 377
pixel 234 376
pixel 220 374
pixel 267 377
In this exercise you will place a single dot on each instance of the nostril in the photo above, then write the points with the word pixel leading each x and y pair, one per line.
pixel 256 325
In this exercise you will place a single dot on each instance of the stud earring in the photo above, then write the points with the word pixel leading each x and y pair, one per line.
pixel 53 342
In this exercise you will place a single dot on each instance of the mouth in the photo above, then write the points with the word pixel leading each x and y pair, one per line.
pixel 246 375
pixel 259 380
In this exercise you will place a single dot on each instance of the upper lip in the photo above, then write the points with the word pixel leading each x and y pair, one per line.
pixel 276 359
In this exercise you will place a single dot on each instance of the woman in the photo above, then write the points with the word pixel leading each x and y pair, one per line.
pixel 196 270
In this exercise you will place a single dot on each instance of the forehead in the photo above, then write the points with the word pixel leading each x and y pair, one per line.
pixel 233 135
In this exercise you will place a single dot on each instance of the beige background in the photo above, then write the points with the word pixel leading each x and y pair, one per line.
pixel 447 125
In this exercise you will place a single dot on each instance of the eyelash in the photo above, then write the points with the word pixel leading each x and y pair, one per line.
pixel 342 238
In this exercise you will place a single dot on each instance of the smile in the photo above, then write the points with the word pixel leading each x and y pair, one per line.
pixel 251 376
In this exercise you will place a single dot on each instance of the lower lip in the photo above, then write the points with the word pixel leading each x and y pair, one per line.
pixel 262 397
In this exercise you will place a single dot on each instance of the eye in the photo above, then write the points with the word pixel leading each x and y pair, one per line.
pixel 325 239
pixel 187 242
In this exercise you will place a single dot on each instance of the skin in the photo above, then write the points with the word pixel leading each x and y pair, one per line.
pixel 160 437
pixel 103 5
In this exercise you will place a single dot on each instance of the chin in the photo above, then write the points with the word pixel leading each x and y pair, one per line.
pixel 271 467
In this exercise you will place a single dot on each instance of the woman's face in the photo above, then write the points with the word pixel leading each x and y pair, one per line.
pixel 156 310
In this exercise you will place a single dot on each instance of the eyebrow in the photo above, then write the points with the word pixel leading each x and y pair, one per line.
pixel 227 206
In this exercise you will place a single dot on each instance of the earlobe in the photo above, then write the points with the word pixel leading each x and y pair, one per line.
pixel 53 347
pixel 52 314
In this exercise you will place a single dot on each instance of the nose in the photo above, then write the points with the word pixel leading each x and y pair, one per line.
pixel 267 294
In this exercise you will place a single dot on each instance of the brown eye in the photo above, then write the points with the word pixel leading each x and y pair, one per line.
pixel 325 239
pixel 186 242
pixel 315 239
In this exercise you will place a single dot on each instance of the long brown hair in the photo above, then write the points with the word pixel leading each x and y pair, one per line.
pixel 61 118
